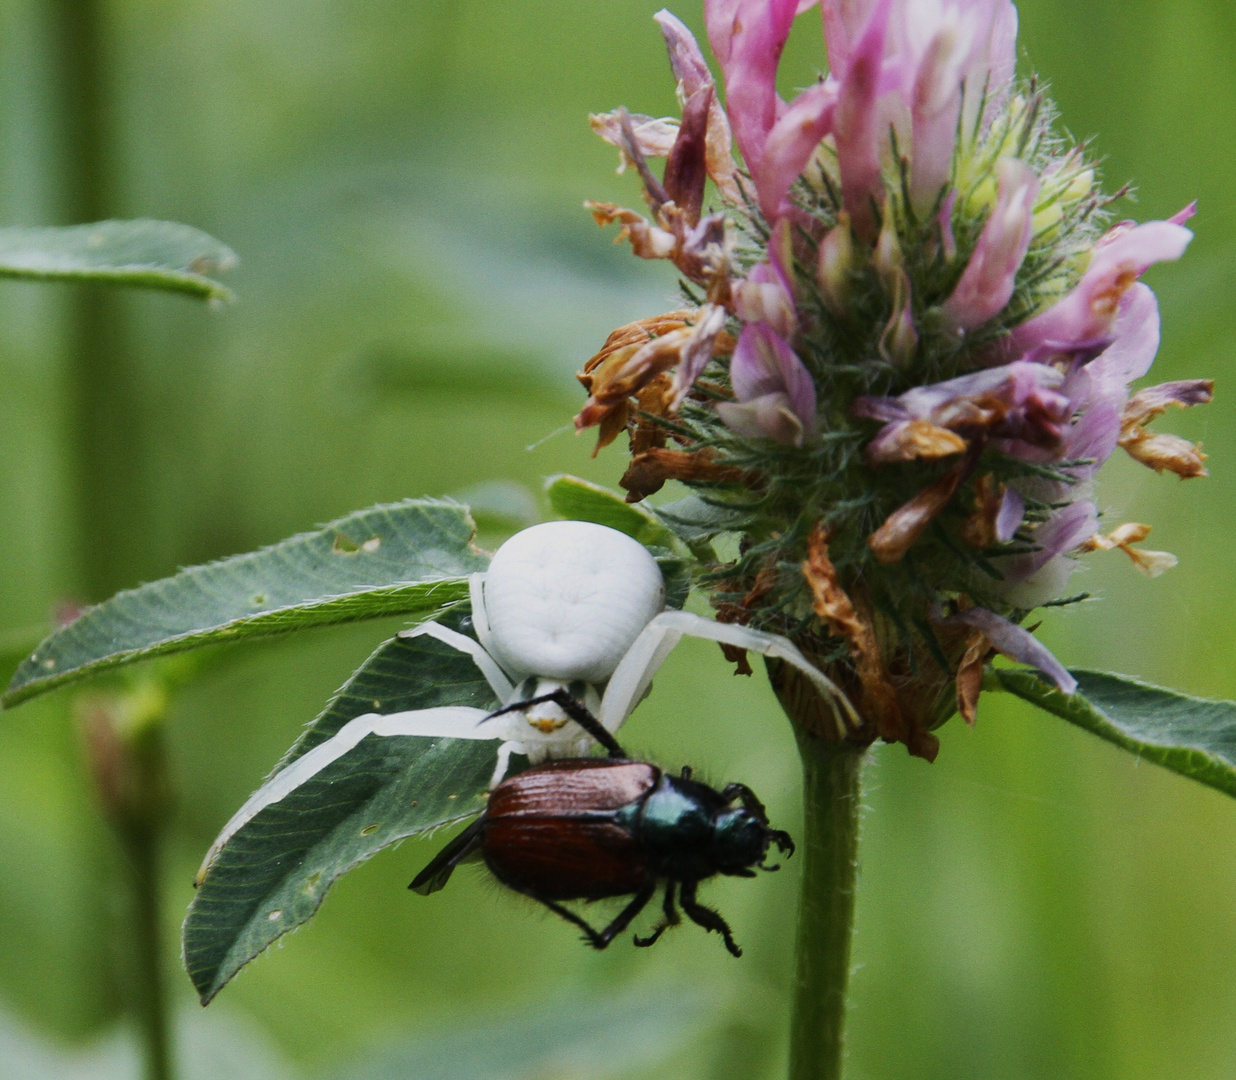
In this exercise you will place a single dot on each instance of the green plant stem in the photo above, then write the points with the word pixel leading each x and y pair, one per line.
pixel 147 990
pixel 831 781
pixel 104 402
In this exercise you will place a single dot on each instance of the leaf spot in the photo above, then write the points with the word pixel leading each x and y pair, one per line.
pixel 345 545
pixel 275 915
pixel 368 829
pixel 452 796
pixel 259 600
pixel 49 663
pixel 377 704
pixel 311 884
pixel 414 802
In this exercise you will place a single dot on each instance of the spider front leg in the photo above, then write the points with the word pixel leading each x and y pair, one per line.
pixel 576 710
pixel 633 675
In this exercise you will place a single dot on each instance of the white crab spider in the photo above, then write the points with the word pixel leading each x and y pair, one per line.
pixel 566 605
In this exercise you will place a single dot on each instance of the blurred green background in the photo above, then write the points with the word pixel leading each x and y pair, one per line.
pixel 403 181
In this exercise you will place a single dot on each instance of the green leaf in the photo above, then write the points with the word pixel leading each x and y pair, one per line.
pixel 579 500
pixel 1191 736
pixel 273 874
pixel 409 558
pixel 143 253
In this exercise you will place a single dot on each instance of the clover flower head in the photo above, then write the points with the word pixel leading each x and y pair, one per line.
pixel 906 349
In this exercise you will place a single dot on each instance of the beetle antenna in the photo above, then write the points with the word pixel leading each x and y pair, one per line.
pixel 576 710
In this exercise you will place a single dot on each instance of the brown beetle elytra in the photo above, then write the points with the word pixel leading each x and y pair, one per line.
pixel 590 828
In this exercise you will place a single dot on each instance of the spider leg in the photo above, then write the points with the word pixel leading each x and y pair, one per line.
pixel 490 668
pixel 706 917
pixel 452 721
pixel 577 711
pixel 504 761
pixel 771 645
pixel 670 918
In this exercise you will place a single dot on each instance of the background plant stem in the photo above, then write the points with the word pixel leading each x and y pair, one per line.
pixel 104 430
pixel 831 787
pixel 103 397
pixel 147 990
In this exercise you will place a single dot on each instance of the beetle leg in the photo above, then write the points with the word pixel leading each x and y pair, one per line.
pixel 620 923
pixel 706 917
pixel 577 711
pixel 743 793
pixel 670 919
pixel 784 842
pixel 623 919
pixel 437 871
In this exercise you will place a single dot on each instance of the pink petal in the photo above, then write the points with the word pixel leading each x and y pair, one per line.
pixel 1060 533
pixel 691 71
pixel 686 58
pixel 1128 358
pixel 1091 308
pixel 719 16
pixel 1011 514
pixel 764 363
pixel 987 283
pixel 843 24
pixel 1018 644
pixel 769 416
pixel 858 124
pixel 1181 216
pixel 790 144
pixel 757 32
pixel 698 350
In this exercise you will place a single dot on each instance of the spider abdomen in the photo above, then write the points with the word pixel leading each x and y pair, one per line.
pixel 565 600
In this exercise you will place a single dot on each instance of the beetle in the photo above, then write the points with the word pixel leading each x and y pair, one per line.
pixel 569 613
pixel 594 828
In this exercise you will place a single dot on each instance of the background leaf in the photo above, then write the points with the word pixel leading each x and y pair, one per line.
pixel 274 873
pixel 1189 735
pixel 143 253
pixel 580 500
pixel 582 1037
pixel 407 558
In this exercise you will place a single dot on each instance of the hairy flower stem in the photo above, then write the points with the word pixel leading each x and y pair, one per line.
pixel 831 780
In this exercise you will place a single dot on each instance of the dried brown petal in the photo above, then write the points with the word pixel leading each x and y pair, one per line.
pixel 979 531
pixel 1166 452
pixel 904 526
pixel 916 440
pixel 654 137
pixel 834 606
pixel 970 675
pixel 648 471
pixel 1150 563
